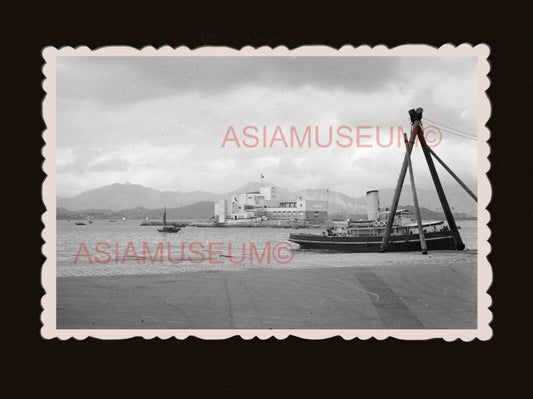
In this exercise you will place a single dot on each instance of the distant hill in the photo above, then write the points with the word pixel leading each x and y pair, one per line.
pixel 198 210
pixel 458 199
pixel 117 197
pixel 127 196
pixel 425 213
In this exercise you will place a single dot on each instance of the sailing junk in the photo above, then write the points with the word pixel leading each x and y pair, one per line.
pixel 170 228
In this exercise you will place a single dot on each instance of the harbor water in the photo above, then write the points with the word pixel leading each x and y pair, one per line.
pixel 103 247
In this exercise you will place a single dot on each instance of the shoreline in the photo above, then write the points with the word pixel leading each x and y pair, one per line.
pixel 303 260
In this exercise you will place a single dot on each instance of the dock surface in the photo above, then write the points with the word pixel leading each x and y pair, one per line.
pixel 437 294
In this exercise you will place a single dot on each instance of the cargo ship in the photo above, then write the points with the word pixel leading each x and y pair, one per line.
pixel 367 235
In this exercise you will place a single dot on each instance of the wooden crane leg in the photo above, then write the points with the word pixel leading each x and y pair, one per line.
pixel 399 185
pixel 423 245
pixel 440 191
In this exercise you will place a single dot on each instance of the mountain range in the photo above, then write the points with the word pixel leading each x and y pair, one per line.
pixel 203 210
pixel 117 197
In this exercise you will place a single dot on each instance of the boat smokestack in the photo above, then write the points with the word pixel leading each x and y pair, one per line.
pixel 372 204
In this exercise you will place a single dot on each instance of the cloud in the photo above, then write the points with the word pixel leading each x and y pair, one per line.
pixel 123 80
pixel 116 163
pixel 161 121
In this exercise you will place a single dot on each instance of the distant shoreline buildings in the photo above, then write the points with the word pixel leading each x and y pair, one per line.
pixel 264 205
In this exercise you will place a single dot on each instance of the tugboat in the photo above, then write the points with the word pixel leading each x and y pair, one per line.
pixel 367 235
pixel 394 230
pixel 167 229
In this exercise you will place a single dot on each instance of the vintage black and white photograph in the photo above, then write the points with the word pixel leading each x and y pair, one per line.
pixel 266 192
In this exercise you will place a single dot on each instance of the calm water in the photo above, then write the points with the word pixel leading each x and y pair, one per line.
pixel 71 236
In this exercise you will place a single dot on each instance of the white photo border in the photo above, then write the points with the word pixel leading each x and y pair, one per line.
pixel 484 271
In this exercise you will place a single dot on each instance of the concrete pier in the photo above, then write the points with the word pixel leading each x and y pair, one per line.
pixel 434 295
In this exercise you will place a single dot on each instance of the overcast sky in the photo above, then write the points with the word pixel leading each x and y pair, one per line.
pixel 161 121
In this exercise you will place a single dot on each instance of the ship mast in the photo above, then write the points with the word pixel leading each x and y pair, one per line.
pixel 327 200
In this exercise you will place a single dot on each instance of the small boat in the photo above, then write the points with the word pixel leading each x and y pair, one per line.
pixel 167 229
pixel 80 224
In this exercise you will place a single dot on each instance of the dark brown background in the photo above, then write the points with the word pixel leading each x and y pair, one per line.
pixel 358 367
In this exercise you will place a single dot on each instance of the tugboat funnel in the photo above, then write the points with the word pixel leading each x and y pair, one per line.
pixel 372 204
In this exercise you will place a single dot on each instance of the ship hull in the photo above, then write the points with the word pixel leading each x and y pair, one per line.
pixel 442 240
pixel 169 229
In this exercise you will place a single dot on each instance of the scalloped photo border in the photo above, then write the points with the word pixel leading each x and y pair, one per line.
pixel 484 270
